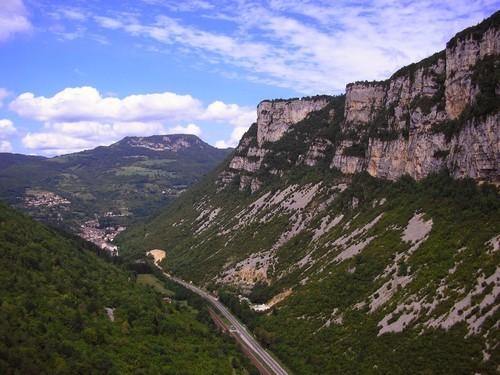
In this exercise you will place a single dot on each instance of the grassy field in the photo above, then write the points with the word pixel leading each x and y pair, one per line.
pixel 155 283
pixel 134 170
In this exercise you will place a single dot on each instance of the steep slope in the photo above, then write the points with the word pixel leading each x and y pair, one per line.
pixel 132 177
pixel 440 113
pixel 356 223
pixel 65 311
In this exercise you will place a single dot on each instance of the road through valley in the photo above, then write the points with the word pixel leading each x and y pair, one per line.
pixel 237 327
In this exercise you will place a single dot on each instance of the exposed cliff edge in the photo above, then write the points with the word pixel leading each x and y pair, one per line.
pixel 442 112
pixel 343 272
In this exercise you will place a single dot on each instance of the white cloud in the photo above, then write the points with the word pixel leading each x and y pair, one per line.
pixel 5 146
pixel 311 47
pixel 13 19
pixel 74 14
pixel 234 139
pixel 80 117
pixel 64 137
pixel 86 103
pixel 105 132
pixel 188 129
pixel 108 23
pixel 55 143
pixel 239 117
pixel 6 128
pixel 182 6
pixel 231 113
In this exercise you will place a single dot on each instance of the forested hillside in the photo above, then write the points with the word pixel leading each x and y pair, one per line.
pixel 63 310
pixel 130 179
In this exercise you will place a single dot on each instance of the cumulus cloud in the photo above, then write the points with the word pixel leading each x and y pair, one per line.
pixel 86 103
pixel 65 137
pixel 55 143
pixel 188 129
pixel 13 19
pixel 80 117
pixel 105 132
pixel 5 146
pixel 239 117
pixel 231 113
pixel 233 140
pixel 6 128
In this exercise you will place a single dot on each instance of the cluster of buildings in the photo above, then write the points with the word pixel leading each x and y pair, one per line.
pixel 99 232
pixel 102 237
pixel 41 198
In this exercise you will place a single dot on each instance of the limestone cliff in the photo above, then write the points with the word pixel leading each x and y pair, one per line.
pixel 442 112
pixel 274 118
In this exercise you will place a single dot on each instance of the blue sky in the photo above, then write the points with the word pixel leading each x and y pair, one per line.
pixel 78 74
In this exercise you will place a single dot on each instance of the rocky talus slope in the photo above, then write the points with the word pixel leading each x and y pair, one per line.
pixel 360 233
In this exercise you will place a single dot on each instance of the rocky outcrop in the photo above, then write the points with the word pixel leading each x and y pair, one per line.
pixel 362 101
pixel 274 118
pixel 415 157
pixel 475 152
pixel 250 162
pixel 418 96
pixel 346 163
pixel 160 143
pixel 435 114
pixel 462 55
pixel 316 152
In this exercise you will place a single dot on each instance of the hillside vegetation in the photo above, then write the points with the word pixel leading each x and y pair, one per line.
pixel 63 310
pixel 359 233
pixel 372 265
pixel 132 178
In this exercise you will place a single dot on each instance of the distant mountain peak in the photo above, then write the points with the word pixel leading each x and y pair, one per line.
pixel 171 142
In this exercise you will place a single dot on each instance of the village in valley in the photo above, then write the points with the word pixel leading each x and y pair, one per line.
pixel 101 231
pixel 101 236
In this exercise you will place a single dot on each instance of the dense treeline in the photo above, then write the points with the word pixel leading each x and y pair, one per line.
pixel 63 310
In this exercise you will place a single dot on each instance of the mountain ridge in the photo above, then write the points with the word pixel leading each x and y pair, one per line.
pixel 131 177
pixel 358 233
pixel 439 113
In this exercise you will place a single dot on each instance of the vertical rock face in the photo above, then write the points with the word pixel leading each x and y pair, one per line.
pixel 442 112
pixel 274 118
pixel 346 163
pixel 363 100
pixel 415 157
pixel 475 152
pixel 410 86
pixel 461 56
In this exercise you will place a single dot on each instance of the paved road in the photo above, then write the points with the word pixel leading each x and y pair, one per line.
pixel 239 328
